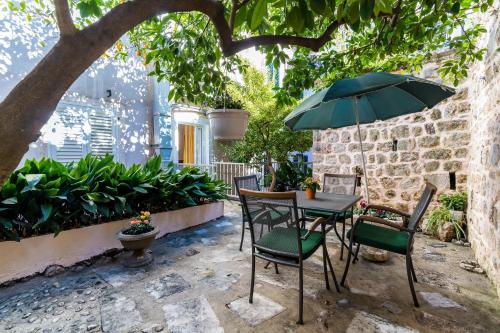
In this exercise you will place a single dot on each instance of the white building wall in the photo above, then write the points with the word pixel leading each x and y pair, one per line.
pixel 127 82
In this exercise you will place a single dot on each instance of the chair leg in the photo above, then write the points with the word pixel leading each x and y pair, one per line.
pixel 325 269
pixel 331 268
pixel 252 282
pixel 410 280
pixel 344 277
pixel 356 254
pixel 413 270
pixel 343 239
pixel 242 235
pixel 276 268
pixel 301 295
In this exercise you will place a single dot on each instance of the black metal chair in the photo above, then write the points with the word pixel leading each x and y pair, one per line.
pixel 341 184
pixel 250 183
pixel 286 243
pixel 391 236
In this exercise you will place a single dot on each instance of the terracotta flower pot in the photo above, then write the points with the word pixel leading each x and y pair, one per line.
pixel 138 244
pixel 310 194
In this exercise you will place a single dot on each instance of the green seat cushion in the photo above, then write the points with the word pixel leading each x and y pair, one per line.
pixel 322 213
pixel 380 237
pixel 283 241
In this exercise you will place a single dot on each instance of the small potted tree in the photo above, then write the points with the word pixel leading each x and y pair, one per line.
pixel 310 186
pixel 456 202
pixel 138 236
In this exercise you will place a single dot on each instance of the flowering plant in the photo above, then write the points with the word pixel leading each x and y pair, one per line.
pixel 139 225
pixel 312 183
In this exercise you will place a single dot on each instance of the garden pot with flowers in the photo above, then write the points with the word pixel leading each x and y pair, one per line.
pixel 138 236
pixel 310 186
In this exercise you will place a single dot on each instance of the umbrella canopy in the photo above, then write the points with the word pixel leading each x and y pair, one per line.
pixel 366 99
pixel 380 96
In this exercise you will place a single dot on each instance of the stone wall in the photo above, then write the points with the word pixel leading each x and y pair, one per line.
pixel 402 153
pixel 456 141
pixel 484 170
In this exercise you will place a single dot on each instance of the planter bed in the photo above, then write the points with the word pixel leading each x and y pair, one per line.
pixel 32 255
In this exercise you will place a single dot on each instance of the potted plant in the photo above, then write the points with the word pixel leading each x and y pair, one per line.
pixel 138 236
pixel 227 119
pixel 310 186
pixel 442 225
pixel 456 202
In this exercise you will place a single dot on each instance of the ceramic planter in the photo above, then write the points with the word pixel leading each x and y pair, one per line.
pixel 138 244
pixel 228 124
pixel 310 194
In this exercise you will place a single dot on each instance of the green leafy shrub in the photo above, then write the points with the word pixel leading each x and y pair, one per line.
pixel 46 196
pixel 289 176
pixel 440 216
pixel 454 201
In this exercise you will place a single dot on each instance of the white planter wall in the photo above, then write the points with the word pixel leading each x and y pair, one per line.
pixel 32 255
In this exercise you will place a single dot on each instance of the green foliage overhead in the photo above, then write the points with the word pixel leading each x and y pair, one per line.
pixel 266 137
pixel 365 35
pixel 46 196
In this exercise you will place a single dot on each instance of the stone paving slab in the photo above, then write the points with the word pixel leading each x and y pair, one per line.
pixel 191 316
pixel 440 301
pixel 364 322
pixel 257 312
pixel 167 285
pixel 119 313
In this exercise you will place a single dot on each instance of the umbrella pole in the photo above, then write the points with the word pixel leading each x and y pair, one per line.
pixel 356 111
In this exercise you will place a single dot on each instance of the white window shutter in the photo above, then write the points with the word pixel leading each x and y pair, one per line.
pixel 101 132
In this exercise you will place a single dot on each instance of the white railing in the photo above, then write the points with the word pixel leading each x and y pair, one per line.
pixel 226 171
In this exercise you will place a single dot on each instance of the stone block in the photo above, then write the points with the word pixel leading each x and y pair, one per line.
pixel 453 125
pixel 388 182
pixel 345 137
pixel 386 146
pixel 339 148
pixel 400 131
pixel 192 315
pixel 363 134
pixel 405 196
pixel 435 114
pixel 437 154
pixel 390 194
pixel 416 131
pixel 456 140
pixel 410 183
pixel 459 107
pixel 397 170
pixel 441 180
pixel 418 118
pixel 331 159
pixel 374 134
pixel 406 144
pixel 408 156
pixel 257 312
pixel 393 157
pixel 381 158
pixel 461 153
pixel 452 166
pixel 344 159
pixel 431 166
pixel 428 141
pixel 332 137
pixel 429 128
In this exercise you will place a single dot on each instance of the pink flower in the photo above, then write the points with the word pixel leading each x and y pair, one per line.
pixel 145 221
pixel 134 222
pixel 362 204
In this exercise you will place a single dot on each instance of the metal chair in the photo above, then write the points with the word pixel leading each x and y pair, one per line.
pixel 286 243
pixel 341 184
pixel 250 183
pixel 391 236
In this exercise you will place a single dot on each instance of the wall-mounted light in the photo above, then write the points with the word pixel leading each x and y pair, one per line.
pixel 108 92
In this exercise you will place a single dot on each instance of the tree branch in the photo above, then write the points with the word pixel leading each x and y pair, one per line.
pixel 63 17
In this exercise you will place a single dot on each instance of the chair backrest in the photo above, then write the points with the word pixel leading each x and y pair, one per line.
pixel 338 183
pixel 423 203
pixel 276 209
pixel 247 182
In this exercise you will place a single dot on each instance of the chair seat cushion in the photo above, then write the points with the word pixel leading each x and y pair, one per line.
pixel 380 237
pixel 283 241
pixel 324 214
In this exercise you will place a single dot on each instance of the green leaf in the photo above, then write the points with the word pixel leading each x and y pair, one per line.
pixel 47 210
pixel 140 189
pixel 366 9
pixel 259 11
pixel 240 17
pixel 295 20
pixel 455 8
pixel 318 6
pixel 10 201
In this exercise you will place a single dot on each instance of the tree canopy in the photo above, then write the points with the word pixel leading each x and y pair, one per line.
pixel 267 138
pixel 319 40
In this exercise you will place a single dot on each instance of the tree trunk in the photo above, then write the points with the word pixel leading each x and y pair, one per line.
pixel 273 172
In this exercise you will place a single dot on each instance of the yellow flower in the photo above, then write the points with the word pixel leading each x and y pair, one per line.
pixel 146 214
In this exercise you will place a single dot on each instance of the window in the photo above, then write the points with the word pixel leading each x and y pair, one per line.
pixel 78 130
pixel 191 149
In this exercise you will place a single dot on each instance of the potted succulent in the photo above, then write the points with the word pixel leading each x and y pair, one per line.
pixel 138 236
pixel 310 186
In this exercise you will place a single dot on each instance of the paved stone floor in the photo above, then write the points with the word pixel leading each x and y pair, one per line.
pixel 199 282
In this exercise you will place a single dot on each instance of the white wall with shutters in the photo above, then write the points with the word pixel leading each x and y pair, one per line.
pixel 76 130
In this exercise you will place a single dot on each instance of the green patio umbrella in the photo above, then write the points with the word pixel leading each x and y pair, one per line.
pixel 366 99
